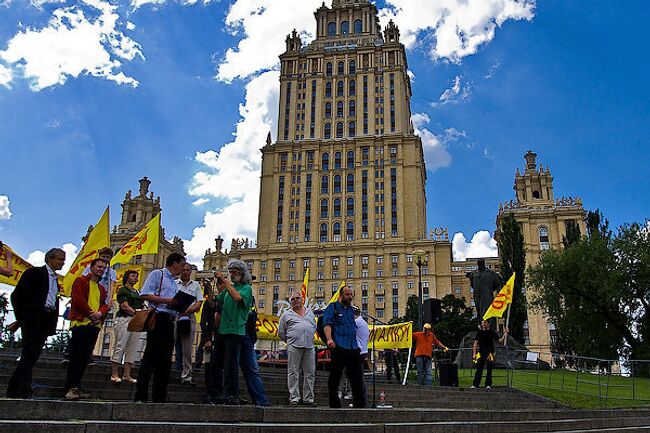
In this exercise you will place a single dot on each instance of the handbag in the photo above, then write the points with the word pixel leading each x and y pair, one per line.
pixel 144 320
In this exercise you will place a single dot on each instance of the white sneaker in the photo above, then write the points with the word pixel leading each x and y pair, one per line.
pixel 472 387
pixel 488 387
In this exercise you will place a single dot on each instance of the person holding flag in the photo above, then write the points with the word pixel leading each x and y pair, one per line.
pixel 109 278
pixel 483 353
pixel 483 347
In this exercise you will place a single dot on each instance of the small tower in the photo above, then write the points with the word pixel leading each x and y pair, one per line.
pixel 543 221
pixel 137 211
pixel 535 187
pixel 293 41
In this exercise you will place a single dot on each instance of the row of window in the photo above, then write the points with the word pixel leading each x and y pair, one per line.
pixel 340 70
pixel 344 28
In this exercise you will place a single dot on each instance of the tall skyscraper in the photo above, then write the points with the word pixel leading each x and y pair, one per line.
pixel 343 186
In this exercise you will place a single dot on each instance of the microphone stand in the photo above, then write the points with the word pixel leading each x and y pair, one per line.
pixel 374 330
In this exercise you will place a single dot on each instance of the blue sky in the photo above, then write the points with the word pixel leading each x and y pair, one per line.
pixel 76 132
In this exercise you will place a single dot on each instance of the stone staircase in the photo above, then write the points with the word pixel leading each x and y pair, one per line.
pixel 416 410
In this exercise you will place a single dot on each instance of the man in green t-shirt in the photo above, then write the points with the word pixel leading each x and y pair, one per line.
pixel 235 296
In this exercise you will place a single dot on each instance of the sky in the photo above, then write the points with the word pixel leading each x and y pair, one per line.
pixel 95 94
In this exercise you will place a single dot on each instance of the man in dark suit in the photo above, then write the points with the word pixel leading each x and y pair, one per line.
pixel 36 306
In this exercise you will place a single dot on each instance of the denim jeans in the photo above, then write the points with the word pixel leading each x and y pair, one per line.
pixel 251 372
pixel 423 364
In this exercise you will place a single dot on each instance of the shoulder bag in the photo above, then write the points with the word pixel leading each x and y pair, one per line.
pixel 145 320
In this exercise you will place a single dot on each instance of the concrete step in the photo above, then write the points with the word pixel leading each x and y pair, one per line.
pixel 54 410
pixel 626 424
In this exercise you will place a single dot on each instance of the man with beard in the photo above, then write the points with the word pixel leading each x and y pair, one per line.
pixel 341 334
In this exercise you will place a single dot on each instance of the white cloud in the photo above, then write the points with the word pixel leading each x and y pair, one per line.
pixel 456 94
pixel 5 213
pixel 232 175
pixel 453 29
pixel 73 43
pixel 5 77
pixel 435 151
pixel 135 4
pixel 39 3
pixel 492 70
pixel 264 25
pixel 200 201
pixel 481 245
pixel 37 257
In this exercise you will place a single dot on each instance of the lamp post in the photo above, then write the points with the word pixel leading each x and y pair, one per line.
pixel 420 259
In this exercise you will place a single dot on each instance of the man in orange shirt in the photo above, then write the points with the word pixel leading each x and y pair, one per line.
pixel 424 342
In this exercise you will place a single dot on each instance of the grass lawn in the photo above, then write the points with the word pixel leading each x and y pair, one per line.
pixel 578 390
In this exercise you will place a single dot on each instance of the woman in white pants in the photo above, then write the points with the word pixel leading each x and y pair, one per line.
pixel 297 327
pixel 126 343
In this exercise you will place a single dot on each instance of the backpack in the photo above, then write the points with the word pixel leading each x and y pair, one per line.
pixel 251 322
pixel 320 327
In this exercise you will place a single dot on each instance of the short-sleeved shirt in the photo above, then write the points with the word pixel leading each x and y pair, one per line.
pixel 363 334
pixel 131 297
pixel 235 314
pixel 486 339
pixel 191 288
pixel 160 282
pixel 297 330
pixel 344 328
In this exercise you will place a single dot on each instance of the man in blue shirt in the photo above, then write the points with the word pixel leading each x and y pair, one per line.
pixel 159 290
pixel 341 335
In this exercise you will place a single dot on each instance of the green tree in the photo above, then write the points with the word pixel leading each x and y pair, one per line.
pixel 573 234
pixel 411 313
pixel 513 259
pixel 597 291
pixel 457 321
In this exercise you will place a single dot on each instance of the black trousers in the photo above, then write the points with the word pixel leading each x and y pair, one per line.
pixel 350 360
pixel 81 348
pixel 224 374
pixel 482 361
pixel 392 365
pixel 157 359
pixel 34 336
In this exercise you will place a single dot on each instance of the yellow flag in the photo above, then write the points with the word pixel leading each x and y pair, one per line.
pixel 335 296
pixel 97 239
pixel 146 241
pixel 503 299
pixel 120 274
pixel 303 289
pixel 18 264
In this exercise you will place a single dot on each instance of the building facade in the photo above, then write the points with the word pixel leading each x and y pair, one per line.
pixel 136 212
pixel 342 188
pixel 543 220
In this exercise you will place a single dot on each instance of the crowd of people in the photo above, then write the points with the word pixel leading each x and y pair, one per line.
pixel 228 333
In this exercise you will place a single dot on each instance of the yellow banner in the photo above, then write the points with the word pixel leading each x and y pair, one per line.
pixel 120 274
pixel 97 239
pixel 397 336
pixel 146 241
pixel 501 302
pixel 18 264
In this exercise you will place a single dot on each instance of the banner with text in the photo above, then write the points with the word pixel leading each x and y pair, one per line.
pixel 397 336
pixel 18 264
